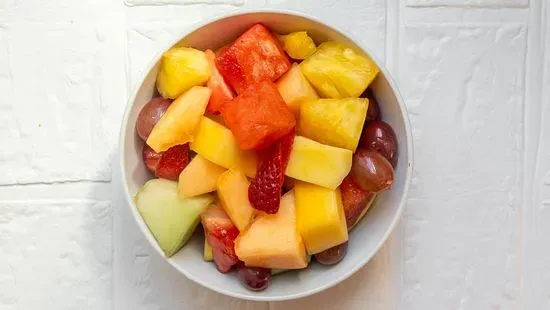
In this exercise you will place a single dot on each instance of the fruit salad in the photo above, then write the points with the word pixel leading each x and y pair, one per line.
pixel 274 144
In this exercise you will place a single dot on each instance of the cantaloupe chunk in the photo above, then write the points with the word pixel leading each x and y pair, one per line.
pixel 320 217
pixel 232 189
pixel 272 240
pixel 199 177
pixel 318 163
pixel 217 144
pixel 295 89
pixel 180 121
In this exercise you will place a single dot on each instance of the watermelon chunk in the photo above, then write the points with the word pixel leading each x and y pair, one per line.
pixel 258 117
pixel 255 56
pixel 221 92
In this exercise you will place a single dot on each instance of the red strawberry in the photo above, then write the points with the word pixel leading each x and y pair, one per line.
pixel 221 235
pixel 354 200
pixel 265 189
pixel 172 162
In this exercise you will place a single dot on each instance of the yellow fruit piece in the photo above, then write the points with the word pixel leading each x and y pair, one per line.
pixel 298 45
pixel 199 177
pixel 320 217
pixel 233 195
pixel 336 122
pixel 272 240
pixel 318 163
pixel 217 144
pixel 180 121
pixel 207 254
pixel 295 89
pixel 180 69
pixel 337 71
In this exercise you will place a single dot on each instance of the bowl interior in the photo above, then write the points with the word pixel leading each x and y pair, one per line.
pixel 367 236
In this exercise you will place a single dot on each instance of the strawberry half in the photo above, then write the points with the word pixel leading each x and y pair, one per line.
pixel 264 192
pixel 221 235
pixel 172 162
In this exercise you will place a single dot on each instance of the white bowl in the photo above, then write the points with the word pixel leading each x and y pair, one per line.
pixel 365 239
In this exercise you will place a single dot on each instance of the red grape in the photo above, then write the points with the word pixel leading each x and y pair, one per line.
pixel 372 171
pixel 151 158
pixel 333 255
pixel 381 137
pixel 254 278
pixel 150 114
pixel 373 112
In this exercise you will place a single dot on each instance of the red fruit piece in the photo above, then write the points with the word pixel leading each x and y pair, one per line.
pixel 258 117
pixel 172 162
pixel 264 192
pixel 151 158
pixel 354 200
pixel 255 56
pixel 221 235
pixel 221 92
pixel 149 115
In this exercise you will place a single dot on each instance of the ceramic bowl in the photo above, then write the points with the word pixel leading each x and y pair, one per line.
pixel 365 239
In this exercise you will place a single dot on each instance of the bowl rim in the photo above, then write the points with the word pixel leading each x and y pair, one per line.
pixel 239 12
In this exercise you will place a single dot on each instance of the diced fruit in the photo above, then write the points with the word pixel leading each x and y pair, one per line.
pixel 336 122
pixel 355 200
pixel 317 163
pixel 265 189
pixel 275 272
pixel 149 116
pixel 232 189
pixel 372 171
pixel 320 217
pixel 333 255
pixel 337 71
pixel 220 234
pixel 170 219
pixel 272 240
pixel 217 144
pixel 220 90
pixel 298 45
pixel 207 254
pixel 179 123
pixel 199 177
pixel 258 116
pixel 180 69
pixel 295 89
pixel 380 136
pixel 254 278
pixel 151 158
pixel 256 56
pixel 172 162
pixel 373 113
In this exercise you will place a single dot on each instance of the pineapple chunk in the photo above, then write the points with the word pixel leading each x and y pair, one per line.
pixel 295 89
pixel 337 71
pixel 232 189
pixel 180 121
pixel 336 122
pixel 317 163
pixel 298 45
pixel 180 69
pixel 320 217
pixel 217 144
pixel 199 169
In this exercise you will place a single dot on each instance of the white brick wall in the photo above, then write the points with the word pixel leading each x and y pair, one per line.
pixel 476 78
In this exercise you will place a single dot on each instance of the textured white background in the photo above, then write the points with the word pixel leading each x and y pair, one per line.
pixel 476 232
